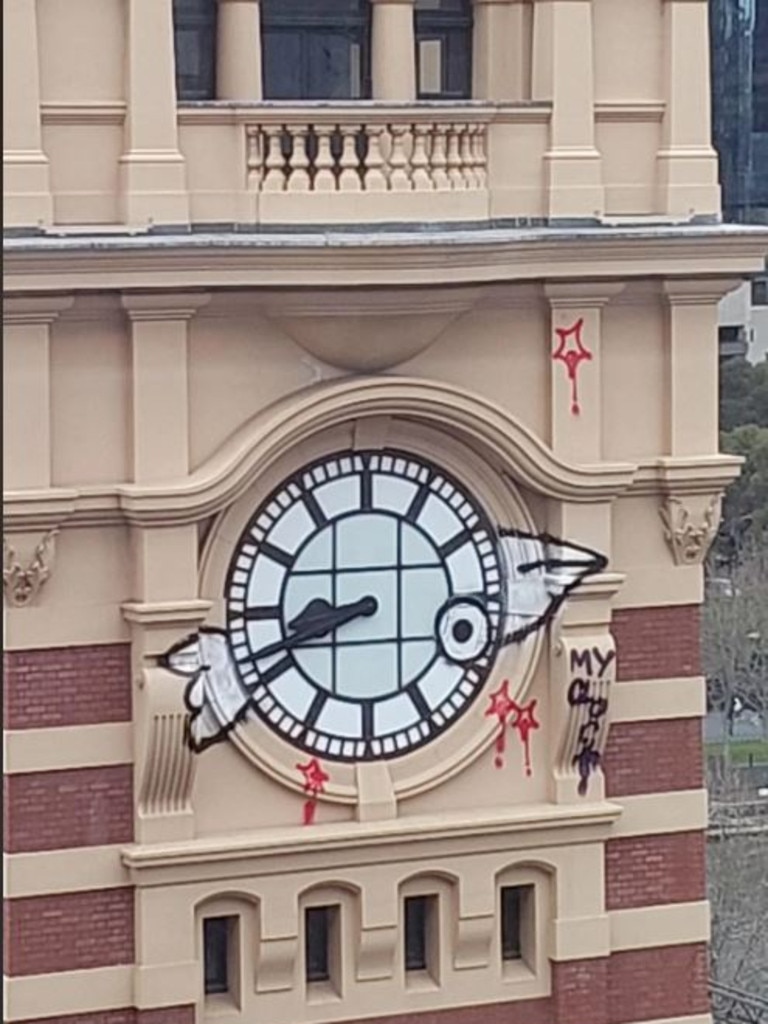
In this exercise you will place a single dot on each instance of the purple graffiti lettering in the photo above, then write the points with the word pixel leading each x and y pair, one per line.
pixel 587 758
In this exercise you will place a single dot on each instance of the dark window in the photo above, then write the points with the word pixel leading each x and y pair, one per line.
pixel 444 49
pixel 760 69
pixel 319 926
pixel 760 291
pixel 217 951
pixel 194 38
pixel 316 49
pixel 419 914
pixel 513 905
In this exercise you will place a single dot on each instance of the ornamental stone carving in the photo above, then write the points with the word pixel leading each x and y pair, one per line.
pixel 690 529
pixel 21 585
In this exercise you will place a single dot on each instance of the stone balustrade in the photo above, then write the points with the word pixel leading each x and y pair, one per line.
pixel 326 152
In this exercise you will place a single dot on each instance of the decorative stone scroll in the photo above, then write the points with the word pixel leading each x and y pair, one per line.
pixel 167 763
pixel 588 669
pixel 690 529
pixel 21 586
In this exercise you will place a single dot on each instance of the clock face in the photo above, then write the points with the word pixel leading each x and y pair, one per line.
pixel 364 601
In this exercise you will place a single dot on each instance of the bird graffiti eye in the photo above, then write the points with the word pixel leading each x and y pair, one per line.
pixel 463 629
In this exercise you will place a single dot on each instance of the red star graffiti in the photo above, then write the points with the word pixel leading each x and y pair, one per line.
pixel 502 707
pixel 521 718
pixel 572 357
pixel 314 782
pixel 525 722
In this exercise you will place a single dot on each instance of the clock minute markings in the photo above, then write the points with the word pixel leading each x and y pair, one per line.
pixel 312 506
pixel 262 611
pixel 276 554
pixel 418 503
pixel 366 490
pixel 454 543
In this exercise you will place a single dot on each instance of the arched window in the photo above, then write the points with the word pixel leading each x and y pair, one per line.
pixel 443 49
pixel 316 49
pixel 194 36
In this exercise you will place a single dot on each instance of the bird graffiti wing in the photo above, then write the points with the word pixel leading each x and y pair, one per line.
pixel 540 573
pixel 214 696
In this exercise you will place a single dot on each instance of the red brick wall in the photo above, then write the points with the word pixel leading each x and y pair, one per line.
pixel 67 686
pixel 162 1015
pixel 647 984
pixel 654 757
pixel 580 989
pixel 76 807
pixel 654 643
pixel 525 1011
pixel 645 870
pixel 68 931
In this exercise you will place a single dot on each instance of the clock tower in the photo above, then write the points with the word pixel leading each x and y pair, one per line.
pixel 361 460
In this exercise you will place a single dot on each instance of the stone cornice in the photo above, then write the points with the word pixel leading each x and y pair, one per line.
pixel 279 850
pixel 377 258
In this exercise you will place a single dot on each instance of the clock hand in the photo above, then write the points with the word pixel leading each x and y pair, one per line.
pixel 318 618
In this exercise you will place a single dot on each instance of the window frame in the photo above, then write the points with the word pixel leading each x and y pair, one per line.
pixel 532 965
pixel 355 27
pixel 449 27
pixel 199 16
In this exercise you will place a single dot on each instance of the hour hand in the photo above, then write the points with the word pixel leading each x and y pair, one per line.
pixel 318 618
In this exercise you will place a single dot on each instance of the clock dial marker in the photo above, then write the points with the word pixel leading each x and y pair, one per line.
pixel 457 541
pixel 276 554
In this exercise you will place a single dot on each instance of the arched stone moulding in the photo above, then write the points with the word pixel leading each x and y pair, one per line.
pixel 506 445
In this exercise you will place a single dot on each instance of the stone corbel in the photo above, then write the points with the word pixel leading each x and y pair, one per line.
pixel 584 669
pixel 690 526
pixel 165 762
pixel 21 586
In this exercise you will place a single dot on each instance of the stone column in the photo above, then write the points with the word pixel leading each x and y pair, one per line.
pixel 687 163
pixel 501 59
pixel 27 198
pixel 238 50
pixel 692 364
pixel 27 389
pixel 153 181
pixel 393 50
pixel 562 74
pixel 575 337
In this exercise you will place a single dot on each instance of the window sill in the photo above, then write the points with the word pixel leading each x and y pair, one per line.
pixel 322 992
pixel 420 981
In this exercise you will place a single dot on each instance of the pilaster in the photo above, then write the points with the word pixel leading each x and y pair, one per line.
pixel 501 60
pixel 238 50
pixel 563 74
pixel 153 180
pixel 393 50
pixel 26 180
pixel 692 364
pixel 576 368
pixel 27 388
pixel 687 163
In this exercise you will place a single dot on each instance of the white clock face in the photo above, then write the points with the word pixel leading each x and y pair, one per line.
pixel 364 602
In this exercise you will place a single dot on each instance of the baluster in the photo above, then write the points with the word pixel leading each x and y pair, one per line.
pixel 455 177
pixel 479 140
pixel 325 179
pixel 274 161
pixel 439 159
pixel 349 178
pixel 299 180
pixel 399 180
pixel 253 158
pixel 420 159
pixel 374 179
pixel 465 155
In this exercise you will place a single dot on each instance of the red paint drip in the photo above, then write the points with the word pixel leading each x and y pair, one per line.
pixel 525 722
pixel 314 782
pixel 572 358
pixel 501 706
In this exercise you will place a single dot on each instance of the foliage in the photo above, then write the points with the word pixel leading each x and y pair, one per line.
pixel 744 424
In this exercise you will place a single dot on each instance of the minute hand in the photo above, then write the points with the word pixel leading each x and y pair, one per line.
pixel 317 626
